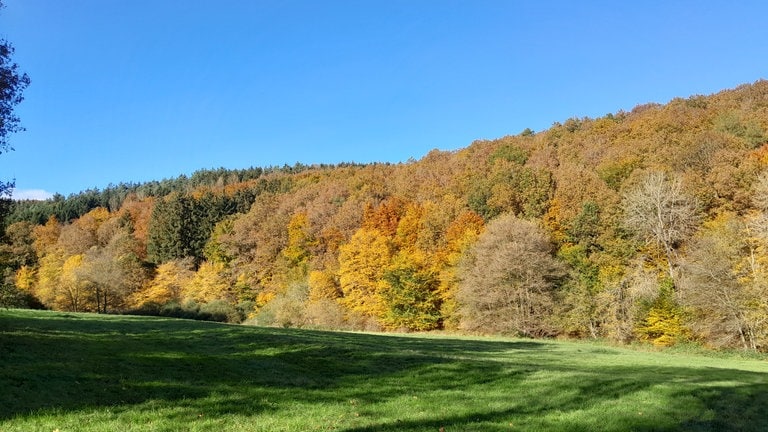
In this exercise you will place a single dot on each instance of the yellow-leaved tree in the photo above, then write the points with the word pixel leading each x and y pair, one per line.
pixel 170 279
pixel 209 283
pixel 25 279
pixel 47 289
pixel 460 235
pixel 362 263
pixel 300 241
pixel 74 289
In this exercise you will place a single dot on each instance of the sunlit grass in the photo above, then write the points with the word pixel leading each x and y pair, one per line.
pixel 73 372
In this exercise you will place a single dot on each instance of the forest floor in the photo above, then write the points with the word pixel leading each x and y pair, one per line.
pixel 84 372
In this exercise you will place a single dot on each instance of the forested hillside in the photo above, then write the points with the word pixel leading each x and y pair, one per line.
pixel 644 225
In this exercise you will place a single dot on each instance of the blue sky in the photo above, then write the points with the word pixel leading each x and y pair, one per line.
pixel 139 90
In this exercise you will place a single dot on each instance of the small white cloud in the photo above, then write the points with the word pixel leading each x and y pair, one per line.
pixel 31 194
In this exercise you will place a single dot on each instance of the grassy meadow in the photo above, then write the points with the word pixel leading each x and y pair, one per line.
pixel 81 372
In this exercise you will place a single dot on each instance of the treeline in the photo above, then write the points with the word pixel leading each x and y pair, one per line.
pixel 113 196
pixel 644 225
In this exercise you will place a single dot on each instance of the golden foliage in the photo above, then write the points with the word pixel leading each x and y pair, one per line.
pixel 362 263
pixel 323 285
pixel 167 285
pixel 380 244
pixel 209 283
pixel 25 279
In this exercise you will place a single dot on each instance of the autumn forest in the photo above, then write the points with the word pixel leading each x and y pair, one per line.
pixel 649 225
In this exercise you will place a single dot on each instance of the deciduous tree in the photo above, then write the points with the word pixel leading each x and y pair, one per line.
pixel 460 235
pixel 508 280
pixel 169 280
pixel 208 284
pixel 410 298
pixel 726 284
pixel 362 263
pixel 114 270
pixel 662 214
pixel 18 250
pixel 73 290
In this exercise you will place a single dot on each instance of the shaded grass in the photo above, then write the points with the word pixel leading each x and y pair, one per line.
pixel 79 372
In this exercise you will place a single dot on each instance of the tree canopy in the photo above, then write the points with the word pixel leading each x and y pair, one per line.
pixel 596 227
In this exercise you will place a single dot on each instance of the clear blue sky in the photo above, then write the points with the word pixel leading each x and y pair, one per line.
pixel 138 90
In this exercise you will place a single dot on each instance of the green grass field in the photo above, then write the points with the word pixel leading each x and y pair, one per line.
pixel 79 372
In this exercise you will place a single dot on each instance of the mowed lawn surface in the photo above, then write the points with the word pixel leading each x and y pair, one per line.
pixel 81 372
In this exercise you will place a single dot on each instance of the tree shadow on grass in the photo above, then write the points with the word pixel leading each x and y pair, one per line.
pixel 730 408
pixel 74 362
pixel 576 404
pixel 71 361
